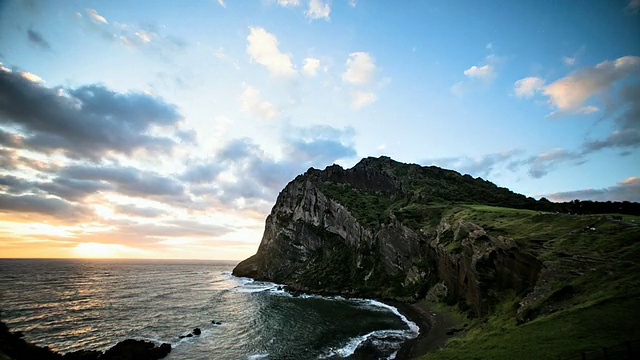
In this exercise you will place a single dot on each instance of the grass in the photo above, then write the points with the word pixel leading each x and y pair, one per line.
pixel 594 304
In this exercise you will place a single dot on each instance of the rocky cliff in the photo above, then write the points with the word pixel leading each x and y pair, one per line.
pixel 391 230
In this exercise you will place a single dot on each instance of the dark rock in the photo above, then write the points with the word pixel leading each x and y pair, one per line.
pixel 82 355
pixel 316 240
pixel 189 335
pixel 12 346
pixel 136 350
pixel 197 331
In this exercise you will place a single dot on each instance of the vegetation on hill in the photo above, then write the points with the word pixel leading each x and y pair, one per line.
pixel 533 279
pixel 590 250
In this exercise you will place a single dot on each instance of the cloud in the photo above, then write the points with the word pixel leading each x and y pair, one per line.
pixel 318 9
pixel 95 17
pixel 134 210
pixel 625 108
pixel 73 189
pixel 628 138
pixel 311 66
pixel 147 37
pixel 11 160
pixel 221 3
pixel 352 3
pixel 41 205
pixel 569 93
pixel 569 60
pixel 541 165
pixel 253 103
pixel 479 72
pixel 360 69
pixel 262 47
pixel 633 7
pixel 476 166
pixel 291 3
pixel 626 190
pixel 528 86
pixel 37 39
pixel 319 145
pixel 477 76
pixel 129 181
pixel 86 122
pixel 253 174
pixel 32 77
pixel 361 98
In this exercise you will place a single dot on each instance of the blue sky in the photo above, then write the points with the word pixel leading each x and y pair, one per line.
pixel 152 129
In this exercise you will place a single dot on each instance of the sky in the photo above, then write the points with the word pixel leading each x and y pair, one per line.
pixel 164 129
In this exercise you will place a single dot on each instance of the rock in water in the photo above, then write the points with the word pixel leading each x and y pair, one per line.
pixel 136 350
pixel 197 331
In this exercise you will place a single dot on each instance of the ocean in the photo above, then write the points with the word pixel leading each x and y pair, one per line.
pixel 93 304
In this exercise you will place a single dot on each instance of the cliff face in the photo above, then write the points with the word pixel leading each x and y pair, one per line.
pixel 381 229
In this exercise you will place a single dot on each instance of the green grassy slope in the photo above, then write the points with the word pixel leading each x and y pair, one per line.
pixel 593 296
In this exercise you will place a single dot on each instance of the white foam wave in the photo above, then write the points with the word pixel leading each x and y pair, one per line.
pixel 257 356
pixel 377 336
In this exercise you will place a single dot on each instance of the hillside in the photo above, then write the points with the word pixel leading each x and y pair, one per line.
pixel 530 282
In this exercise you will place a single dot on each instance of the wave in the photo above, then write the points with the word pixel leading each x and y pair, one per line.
pixel 389 339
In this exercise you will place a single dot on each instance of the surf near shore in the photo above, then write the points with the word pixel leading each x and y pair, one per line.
pixel 435 329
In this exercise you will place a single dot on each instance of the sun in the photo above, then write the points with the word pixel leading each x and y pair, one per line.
pixel 97 250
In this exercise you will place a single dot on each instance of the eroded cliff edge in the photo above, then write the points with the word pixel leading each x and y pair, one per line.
pixel 402 231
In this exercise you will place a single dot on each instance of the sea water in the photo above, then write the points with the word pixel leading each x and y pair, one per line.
pixel 93 304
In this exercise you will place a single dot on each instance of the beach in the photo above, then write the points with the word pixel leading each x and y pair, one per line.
pixel 435 329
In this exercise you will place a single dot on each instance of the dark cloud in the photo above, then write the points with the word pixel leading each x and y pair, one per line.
pixel 627 190
pixel 542 164
pixel 127 180
pixel 480 166
pixel 628 105
pixel 86 122
pixel 14 185
pixel 37 39
pixel 629 138
pixel 200 173
pixel 258 176
pixel 41 205
pixel 10 160
pixel 73 189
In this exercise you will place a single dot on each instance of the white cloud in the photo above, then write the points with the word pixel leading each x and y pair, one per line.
pixel 478 77
pixel 311 66
pixel 588 109
pixel 479 72
pixel 318 10
pixel 96 17
pixel 288 2
pixel 32 77
pixel 352 3
pixel 263 48
pixel 253 103
pixel 360 69
pixel 361 98
pixel 221 3
pixel 569 60
pixel 569 93
pixel 528 86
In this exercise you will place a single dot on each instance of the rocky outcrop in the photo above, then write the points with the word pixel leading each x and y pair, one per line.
pixel 373 231
pixel 13 346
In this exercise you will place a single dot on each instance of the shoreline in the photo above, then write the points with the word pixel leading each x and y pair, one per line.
pixel 435 329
